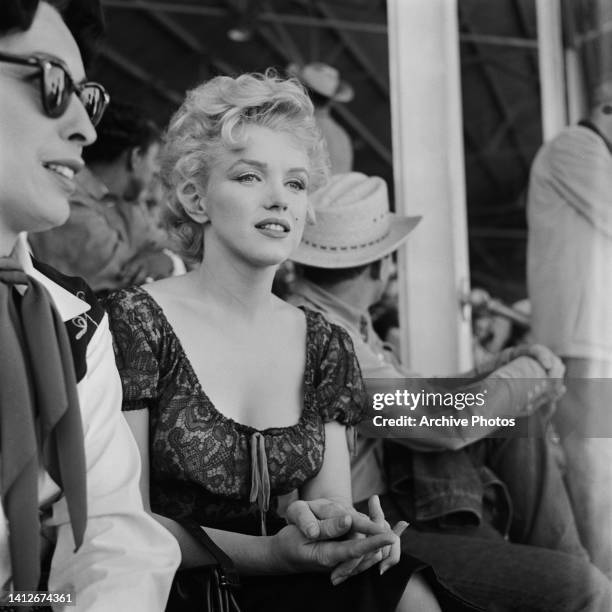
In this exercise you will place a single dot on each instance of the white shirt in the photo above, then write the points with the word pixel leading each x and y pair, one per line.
pixel 569 249
pixel 127 560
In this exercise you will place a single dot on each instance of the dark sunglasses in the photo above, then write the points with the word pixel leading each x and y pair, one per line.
pixel 57 87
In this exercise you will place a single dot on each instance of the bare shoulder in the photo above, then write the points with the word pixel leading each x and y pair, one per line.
pixel 282 308
pixel 177 299
pixel 288 314
pixel 172 287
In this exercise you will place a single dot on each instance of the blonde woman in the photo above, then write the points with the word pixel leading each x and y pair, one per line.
pixel 236 397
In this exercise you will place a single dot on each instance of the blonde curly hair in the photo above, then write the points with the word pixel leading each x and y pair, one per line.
pixel 215 114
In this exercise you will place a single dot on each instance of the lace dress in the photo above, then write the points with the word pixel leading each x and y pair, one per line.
pixel 227 475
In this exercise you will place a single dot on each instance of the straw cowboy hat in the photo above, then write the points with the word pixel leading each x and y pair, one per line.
pixel 353 224
pixel 323 79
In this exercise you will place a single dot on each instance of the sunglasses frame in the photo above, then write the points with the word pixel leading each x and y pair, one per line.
pixel 44 65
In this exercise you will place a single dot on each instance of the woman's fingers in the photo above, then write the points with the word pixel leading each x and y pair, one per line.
pixel 332 553
pixel 319 519
pixel 375 510
pixel 387 555
pixel 395 549
pixel 355 566
pixel 344 571
pixel 364 524
pixel 385 552
pixel 347 568
pixel 378 516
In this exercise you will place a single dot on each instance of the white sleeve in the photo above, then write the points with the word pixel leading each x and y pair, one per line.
pixel 581 172
pixel 127 560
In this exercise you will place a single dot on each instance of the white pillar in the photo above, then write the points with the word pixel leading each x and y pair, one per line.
pixel 552 71
pixel 430 181
pixel 577 106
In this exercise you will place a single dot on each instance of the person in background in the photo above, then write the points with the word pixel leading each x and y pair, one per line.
pixel 71 516
pixel 487 508
pixel 325 87
pixel 105 240
pixel 148 223
pixel 569 274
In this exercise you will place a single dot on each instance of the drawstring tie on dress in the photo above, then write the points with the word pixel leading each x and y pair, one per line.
pixel 260 478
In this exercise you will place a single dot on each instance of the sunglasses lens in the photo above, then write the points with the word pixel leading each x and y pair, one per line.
pixel 94 99
pixel 56 90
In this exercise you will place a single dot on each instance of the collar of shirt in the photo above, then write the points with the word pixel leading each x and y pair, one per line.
pixel 359 321
pixel 67 304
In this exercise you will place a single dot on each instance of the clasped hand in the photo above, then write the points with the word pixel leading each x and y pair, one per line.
pixel 324 535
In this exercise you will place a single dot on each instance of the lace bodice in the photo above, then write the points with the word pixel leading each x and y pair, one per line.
pixel 206 465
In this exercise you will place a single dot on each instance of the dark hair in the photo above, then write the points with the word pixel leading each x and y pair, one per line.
pixel 327 277
pixel 83 18
pixel 122 127
pixel 317 98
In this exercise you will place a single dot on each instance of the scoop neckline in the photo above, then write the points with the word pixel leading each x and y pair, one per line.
pixel 306 378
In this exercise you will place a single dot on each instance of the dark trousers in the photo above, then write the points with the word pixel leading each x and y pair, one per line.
pixel 541 566
pixel 584 423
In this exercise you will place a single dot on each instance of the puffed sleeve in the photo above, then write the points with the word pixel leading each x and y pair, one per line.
pixel 341 394
pixel 136 342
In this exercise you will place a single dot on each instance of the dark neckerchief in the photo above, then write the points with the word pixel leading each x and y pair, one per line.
pixel 38 393
pixel 586 123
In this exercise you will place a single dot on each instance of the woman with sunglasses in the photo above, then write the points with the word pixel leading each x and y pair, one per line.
pixel 71 518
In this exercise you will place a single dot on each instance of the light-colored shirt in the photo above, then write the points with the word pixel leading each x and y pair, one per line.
pixel 569 249
pixel 512 390
pixel 339 145
pixel 127 560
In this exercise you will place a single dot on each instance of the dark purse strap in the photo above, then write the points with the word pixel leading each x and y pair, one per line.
pixel 226 566
pixel 208 587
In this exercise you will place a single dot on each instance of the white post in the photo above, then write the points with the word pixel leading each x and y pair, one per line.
pixel 577 106
pixel 552 72
pixel 430 181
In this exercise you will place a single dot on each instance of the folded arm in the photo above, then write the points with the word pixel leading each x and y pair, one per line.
pixel 524 379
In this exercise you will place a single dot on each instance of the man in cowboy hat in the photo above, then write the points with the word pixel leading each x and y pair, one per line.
pixel 325 86
pixel 462 494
